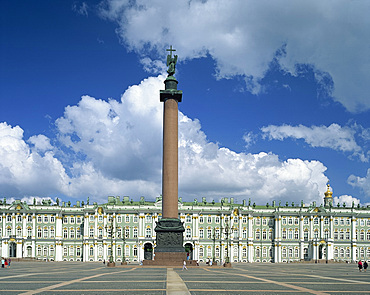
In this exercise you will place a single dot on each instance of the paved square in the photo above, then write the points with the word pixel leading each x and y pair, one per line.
pixel 95 278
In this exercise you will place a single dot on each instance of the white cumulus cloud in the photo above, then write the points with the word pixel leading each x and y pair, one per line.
pixel 244 36
pixel 109 147
pixel 333 136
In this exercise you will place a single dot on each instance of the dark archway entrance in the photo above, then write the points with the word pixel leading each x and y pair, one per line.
pixel 320 251
pixel 12 249
pixel 189 251
pixel 148 251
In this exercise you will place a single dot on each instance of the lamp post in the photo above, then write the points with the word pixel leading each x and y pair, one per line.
pixel 214 245
pixel 111 259
pixel 124 248
pixel 227 229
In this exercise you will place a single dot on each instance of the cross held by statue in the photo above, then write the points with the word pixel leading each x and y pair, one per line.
pixel 170 50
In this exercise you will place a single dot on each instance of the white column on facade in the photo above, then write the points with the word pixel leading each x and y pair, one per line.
pixel 301 238
pixel 58 237
pixel 353 238
pixel 321 236
pixel 250 250
pixel 277 235
pixel 13 225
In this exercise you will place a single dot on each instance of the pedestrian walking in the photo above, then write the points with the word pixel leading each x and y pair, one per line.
pixel 6 263
pixel 365 265
pixel 184 266
pixel 2 262
pixel 9 262
pixel 359 264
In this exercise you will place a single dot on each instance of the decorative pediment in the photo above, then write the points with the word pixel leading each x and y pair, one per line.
pixel 17 205
pixel 317 210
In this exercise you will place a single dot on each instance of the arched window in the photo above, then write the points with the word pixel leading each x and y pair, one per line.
pixel 148 232
pixel 188 233
pixel 258 252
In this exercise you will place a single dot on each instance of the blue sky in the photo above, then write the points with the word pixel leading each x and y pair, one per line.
pixel 275 99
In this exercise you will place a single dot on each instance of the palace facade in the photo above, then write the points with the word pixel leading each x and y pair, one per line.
pixel 213 230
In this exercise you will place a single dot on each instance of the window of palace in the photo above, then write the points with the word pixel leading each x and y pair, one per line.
pixel 283 252
pixel 217 233
pixel 148 232
pixel 244 233
pixel 305 235
pixel 78 251
pixel 127 218
pixel 46 233
pixel 258 252
pixel 38 251
pixel 100 251
pixel 284 221
pixel 264 252
pixel 72 233
pixel 335 221
pixel 188 219
pixel 127 233
pixel 296 221
pixel 19 218
pixel 91 233
pixel 148 218
pixel 244 220
pixel 348 235
pixel 217 219
pixel 135 251
pixel 46 219
pixel 296 235
pixel 348 221
pixel 335 235
pixel 135 218
pixel 91 251
pixel 119 219
pixel 368 236
pixel 341 221
pixel 348 253
pixel 188 233
pixel 72 220
pixel 78 220
pixel 264 235
pixel 270 234
pixel 19 232
pixel 290 221
pixel 9 231
pixel 65 220
pixel 258 221
pixel 39 233
pixel 201 219
pixel 91 217
pixel 264 221
pixel 201 233
pixel 326 234
pixel 1 218
pixel 100 218
pixel 39 219
pixel 326 221
pixel 119 252
pixel 52 219
pixel 209 219
pixel 316 221
pixel 305 220
pixel 135 232
pixel 362 235
pixel 217 252
pixel 290 251
pixel 368 222
pixel 52 233
pixel 65 233
pixel 258 235
pixel 209 233
pixel 29 232
pixel 290 234
pixel 283 236
pixel 362 222
pixel 1 232
pixel 201 251
pixel 29 218
pixel 341 235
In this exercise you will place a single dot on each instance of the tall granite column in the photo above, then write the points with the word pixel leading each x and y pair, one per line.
pixel 169 229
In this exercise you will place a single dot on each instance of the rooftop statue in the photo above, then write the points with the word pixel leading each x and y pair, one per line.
pixel 171 62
